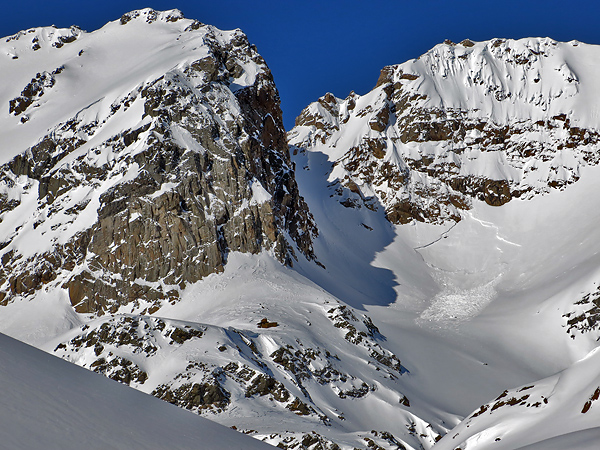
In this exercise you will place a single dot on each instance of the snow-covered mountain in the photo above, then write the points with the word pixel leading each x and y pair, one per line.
pixel 151 171
pixel 491 121
pixel 442 138
pixel 426 247
pixel 485 154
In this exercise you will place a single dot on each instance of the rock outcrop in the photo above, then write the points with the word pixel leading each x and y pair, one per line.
pixel 147 190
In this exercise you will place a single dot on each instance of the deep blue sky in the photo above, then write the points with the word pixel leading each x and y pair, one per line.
pixel 314 47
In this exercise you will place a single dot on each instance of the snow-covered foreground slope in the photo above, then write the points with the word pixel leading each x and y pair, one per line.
pixel 48 403
pixel 321 373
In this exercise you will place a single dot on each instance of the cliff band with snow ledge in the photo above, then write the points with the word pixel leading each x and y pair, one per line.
pixel 125 182
pixel 490 120
pixel 129 194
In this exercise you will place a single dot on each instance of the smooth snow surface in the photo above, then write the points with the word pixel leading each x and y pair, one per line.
pixel 579 440
pixel 51 404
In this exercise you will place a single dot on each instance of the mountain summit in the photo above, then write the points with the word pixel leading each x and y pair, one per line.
pixel 125 182
pixel 491 121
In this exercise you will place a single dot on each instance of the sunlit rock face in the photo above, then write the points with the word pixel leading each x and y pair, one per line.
pixel 148 151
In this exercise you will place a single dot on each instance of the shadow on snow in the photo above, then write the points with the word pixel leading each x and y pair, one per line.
pixel 349 238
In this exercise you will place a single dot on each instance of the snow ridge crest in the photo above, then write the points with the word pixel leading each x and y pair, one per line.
pixel 486 121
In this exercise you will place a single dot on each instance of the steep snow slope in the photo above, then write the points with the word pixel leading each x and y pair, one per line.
pixel 48 403
pixel 502 261
pixel 466 304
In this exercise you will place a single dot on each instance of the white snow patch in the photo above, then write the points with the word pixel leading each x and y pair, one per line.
pixel 259 194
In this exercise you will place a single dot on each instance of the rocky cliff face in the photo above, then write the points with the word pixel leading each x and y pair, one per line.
pixel 466 122
pixel 144 188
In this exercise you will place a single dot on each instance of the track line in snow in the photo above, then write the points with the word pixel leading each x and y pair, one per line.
pixel 442 236
pixel 491 225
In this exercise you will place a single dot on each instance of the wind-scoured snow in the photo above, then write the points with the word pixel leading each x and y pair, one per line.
pixel 49 403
